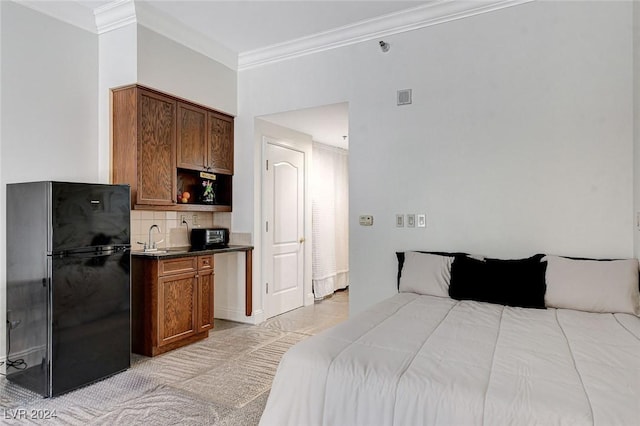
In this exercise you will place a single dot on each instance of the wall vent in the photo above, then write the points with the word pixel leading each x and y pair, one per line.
pixel 404 97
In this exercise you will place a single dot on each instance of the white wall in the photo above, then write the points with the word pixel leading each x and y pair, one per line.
pixel 636 129
pixel 117 66
pixel 3 228
pixel 171 67
pixel 519 140
pixel 49 108
pixel 135 54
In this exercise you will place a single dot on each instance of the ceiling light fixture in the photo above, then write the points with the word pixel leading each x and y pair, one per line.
pixel 384 46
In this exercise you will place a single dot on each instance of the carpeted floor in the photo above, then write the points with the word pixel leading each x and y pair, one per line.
pixel 222 380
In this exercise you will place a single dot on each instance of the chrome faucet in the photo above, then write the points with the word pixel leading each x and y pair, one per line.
pixel 151 245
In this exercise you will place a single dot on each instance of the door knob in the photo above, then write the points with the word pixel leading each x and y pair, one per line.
pixel 301 240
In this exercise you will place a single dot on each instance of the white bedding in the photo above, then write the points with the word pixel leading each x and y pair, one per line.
pixel 423 360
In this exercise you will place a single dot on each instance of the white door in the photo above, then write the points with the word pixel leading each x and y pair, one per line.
pixel 284 229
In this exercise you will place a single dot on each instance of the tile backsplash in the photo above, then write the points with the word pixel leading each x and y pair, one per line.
pixel 172 232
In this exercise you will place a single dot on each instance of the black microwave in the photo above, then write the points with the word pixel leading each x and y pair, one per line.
pixel 209 238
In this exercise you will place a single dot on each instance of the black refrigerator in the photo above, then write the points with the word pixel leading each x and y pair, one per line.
pixel 68 284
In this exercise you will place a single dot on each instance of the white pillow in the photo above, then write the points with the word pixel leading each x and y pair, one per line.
pixel 593 285
pixel 425 273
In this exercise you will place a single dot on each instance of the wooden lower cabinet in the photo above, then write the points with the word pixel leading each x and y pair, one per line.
pixel 204 319
pixel 177 303
pixel 171 302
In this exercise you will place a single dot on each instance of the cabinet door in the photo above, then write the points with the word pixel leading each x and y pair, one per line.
pixel 191 140
pixel 156 149
pixel 205 300
pixel 177 296
pixel 220 143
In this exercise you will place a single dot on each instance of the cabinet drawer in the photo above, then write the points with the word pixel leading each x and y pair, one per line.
pixel 177 265
pixel 205 262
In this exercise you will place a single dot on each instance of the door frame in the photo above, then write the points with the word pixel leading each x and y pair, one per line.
pixel 306 148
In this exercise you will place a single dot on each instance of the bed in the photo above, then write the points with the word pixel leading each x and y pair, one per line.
pixel 423 357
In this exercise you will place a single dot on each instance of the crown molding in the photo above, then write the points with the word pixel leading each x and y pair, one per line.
pixel 120 13
pixel 114 15
pixel 434 13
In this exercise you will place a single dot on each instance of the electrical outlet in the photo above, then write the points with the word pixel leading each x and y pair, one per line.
pixel 195 219
pixel 183 218
pixel 365 220
pixel 12 323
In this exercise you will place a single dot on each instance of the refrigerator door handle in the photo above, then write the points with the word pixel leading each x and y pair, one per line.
pixel 95 252
pixel 88 254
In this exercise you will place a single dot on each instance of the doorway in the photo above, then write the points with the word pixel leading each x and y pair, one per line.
pixel 321 130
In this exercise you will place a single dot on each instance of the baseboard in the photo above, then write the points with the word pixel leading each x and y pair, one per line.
pixel 238 315
pixel 309 299
pixel 26 355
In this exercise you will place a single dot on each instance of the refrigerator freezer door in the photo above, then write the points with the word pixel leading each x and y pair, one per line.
pixel 91 336
pixel 89 215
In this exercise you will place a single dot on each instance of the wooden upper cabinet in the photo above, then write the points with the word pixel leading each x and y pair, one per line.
pixel 205 140
pixel 220 128
pixel 144 149
pixel 161 143
pixel 192 137
pixel 156 149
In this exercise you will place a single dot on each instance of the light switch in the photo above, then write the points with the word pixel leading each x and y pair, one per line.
pixel 400 221
pixel 422 220
pixel 411 220
pixel 366 220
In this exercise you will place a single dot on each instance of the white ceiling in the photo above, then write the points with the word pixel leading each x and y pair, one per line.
pixel 243 25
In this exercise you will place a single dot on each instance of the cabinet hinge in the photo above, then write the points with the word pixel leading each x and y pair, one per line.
pixel 267 164
pixel 267 288
pixel 266 228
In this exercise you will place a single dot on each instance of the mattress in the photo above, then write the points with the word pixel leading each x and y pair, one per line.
pixel 423 360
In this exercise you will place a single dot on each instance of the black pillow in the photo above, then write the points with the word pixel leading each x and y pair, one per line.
pixel 517 282
pixel 470 281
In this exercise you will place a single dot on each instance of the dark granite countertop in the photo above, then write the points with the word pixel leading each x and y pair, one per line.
pixel 172 252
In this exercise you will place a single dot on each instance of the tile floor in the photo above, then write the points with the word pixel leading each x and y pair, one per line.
pixel 222 380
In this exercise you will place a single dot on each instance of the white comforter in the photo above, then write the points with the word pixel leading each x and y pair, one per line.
pixel 422 360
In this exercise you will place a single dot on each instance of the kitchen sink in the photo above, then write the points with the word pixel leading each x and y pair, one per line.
pixel 168 250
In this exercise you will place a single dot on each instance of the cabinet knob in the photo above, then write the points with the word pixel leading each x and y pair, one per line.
pixel 301 240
